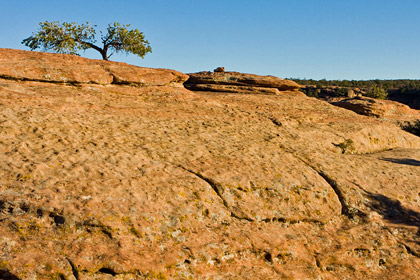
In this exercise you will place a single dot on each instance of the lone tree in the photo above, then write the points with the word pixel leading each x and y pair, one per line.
pixel 70 37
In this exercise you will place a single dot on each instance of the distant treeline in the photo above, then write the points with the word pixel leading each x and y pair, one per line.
pixel 392 87
pixel 385 84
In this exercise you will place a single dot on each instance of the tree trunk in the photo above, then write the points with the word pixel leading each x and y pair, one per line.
pixel 104 52
pixel 104 56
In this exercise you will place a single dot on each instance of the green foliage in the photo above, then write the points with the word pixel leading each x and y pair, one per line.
pixel 341 92
pixel 347 146
pixel 311 92
pixel 396 89
pixel 406 91
pixel 72 37
pixel 377 92
pixel 61 39
pixel 388 85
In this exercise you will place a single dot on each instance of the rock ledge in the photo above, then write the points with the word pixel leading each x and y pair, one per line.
pixel 236 82
pixel 72 69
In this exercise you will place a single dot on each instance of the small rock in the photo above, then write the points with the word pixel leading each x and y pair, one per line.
pixel 219 69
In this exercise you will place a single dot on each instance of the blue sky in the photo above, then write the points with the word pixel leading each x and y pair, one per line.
pixel 331 39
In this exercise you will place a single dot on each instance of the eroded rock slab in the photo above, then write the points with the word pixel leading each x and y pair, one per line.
pixel 233 89
pixel 238 83
pixel 119 181
pixel 64 68
pixel 378 108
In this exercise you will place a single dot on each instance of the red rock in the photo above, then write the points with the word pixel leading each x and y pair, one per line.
pixel 39 66
pixel 196 80
pixel 377 108
pixel 157 182
pixel 234 89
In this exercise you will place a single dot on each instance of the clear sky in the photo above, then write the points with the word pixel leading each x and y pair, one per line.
pixel 331 39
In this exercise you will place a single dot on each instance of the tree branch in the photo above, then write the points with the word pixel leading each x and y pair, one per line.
pixel 90 45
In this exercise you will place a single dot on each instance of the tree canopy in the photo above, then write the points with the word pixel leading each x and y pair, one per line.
pixel 72 37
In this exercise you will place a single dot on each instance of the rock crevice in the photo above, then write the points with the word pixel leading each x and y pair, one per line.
pixel 218 189
pixel 74 270
pixel 346 210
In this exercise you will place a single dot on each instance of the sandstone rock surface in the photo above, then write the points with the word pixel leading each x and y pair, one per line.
pixel 386 109
pixel 117 181
pixel 63 68
pixel 238 83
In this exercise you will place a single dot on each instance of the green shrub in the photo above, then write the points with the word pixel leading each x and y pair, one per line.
pixel 311 92
pixel 377 92
pixel 347 146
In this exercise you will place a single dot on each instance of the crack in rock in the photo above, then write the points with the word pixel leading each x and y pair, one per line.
pixel 22 79
pixel 346 210
pixel 317 261
pixel 215 186
pixel 218 189
pixel 115 81
pixel 241 218
pixel 407 248
pixel 73 269
pixel 292 222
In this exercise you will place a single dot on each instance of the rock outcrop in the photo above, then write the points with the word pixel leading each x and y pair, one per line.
pixel 100 180
pixel 326 92
pixel 234 82
pixel 385 109
pixel 71 69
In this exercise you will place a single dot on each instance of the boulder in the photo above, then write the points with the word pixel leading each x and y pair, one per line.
pixel 231 80
pixel 219 69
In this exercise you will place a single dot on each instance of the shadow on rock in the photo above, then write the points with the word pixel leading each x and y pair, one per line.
pixel 4 274
pixel 393 211
pixel 406 161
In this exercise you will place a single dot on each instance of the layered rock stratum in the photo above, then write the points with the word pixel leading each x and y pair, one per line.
pixel 234 82
pixel 111 171
pixel 384 109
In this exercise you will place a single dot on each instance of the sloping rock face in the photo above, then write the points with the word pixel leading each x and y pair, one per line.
pixel 108 181
pixel 386 109
pixel 234 82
